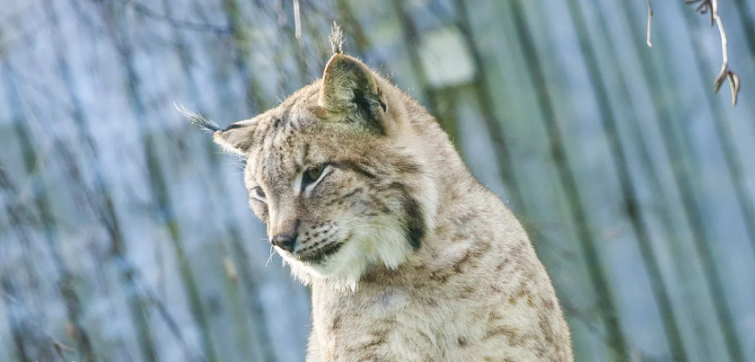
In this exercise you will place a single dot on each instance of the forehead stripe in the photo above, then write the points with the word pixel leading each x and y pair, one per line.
pixel 351 165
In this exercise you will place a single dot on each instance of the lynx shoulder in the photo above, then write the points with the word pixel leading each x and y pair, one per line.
pixel 409 258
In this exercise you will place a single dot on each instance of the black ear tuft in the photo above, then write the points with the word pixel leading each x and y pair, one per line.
pixel 236 138
pixel 197 119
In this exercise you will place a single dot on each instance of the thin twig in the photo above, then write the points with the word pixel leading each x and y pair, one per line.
pixel 650 24
pixel 148 12
pixel 725 73
pixel 60 347
pixel 297 25
pixel 297 35
pixel 711 7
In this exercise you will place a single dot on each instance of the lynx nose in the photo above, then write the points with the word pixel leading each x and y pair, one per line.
pixel 285 235
pixel 285 241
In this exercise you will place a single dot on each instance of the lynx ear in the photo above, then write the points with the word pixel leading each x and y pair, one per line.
pixel 237 138
pixel 350 92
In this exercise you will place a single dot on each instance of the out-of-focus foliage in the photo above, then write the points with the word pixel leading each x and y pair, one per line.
pixel 125 235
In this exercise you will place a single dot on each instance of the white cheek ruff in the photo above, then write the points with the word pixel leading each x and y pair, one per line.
pixel 380 241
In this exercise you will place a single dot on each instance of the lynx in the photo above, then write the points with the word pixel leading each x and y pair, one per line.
pixel 408 256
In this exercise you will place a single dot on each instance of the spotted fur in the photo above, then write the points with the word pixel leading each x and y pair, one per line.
pixel 409 258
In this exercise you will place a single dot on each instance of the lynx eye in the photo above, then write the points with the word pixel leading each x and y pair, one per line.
pixel 312 174
pixel 312 177
pixel 259 194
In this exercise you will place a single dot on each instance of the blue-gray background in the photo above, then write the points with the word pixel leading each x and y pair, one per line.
pixel 125 234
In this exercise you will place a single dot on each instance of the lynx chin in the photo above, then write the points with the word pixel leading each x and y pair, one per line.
pixel 408 257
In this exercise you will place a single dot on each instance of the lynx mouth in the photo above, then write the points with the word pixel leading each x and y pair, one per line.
pixel 319 255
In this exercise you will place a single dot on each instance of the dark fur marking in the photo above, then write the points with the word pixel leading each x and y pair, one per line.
pixel 475 251
pixel 415 221
pixel 360 99
pixel 505 331
pixel 367 111
pixel 234 126
pixel 439 276
pixel 494 316
pixel 364 106
pixel 286 114
pixel 380 337
pixel 336 323
pixel 406 165
pixel 468 290
pixel 305 152
pixel 546 330
pixel 520 293
pixel 465 218
pixel 352 192
pixel 502 264
pixel 351 165
pixel 549 305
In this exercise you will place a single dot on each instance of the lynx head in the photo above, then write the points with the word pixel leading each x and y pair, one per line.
pixel 338 174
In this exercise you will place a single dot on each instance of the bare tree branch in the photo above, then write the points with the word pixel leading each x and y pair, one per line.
pixel 650 24
pixel 297 20
pixel 148 12
pixel 297 34
pixel 711 7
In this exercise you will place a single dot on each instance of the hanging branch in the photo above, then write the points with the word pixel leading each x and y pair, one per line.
pixel 297 35
pixel 675 147
pixel 650 24
pixel 711 7
pixel 297 22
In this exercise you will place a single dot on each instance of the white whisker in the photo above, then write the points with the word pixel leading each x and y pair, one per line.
pixel 271 255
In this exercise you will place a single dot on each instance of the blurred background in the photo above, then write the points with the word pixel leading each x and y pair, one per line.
pixel 125 234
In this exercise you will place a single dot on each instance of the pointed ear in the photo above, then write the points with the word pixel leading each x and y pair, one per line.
pixel 350 91
pixel 237 138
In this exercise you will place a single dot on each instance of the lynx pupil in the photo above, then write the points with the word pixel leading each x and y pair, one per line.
pixel 312 174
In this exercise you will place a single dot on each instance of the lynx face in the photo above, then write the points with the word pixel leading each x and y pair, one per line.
pixel 336 176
